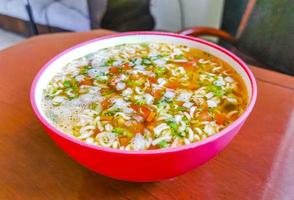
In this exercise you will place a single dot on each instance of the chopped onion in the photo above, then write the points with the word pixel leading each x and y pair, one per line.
pixel 120 86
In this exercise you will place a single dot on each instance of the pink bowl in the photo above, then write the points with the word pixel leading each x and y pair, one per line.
pixel 148 165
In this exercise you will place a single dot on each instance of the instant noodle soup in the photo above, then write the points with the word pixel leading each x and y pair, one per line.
pixel 144 96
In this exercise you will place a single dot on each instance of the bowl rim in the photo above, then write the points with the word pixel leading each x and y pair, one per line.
pixel 229 128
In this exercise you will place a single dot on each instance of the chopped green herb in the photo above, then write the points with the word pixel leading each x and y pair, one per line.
pixel 181 108
pixel 173 125
pixel 108 63
pixel 140 102
pixel 118 130
pixel 102 77
pixel 219 93
pixel 136 61
pixel 217 90
pixel 214 77
pixel 159 71
pixel 146 61
pixel 66 84
pixel 134 83
pixel 163 101
pixel 111 112
pixel 107 92
pixel 185 119
pixel 84 70
pixel 122 131
pixel 120 69
pixel 152 58
pixel 128 133
pixel 179 57
pixel 163 144
pixel 93 106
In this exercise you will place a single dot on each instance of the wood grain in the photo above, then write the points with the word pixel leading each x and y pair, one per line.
pixel 256 165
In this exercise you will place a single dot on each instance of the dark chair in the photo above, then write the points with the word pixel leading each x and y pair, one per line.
pixel 259 31
pixel 121 15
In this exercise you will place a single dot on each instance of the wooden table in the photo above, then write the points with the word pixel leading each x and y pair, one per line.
pixel 258 164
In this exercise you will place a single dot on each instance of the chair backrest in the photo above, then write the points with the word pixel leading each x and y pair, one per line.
pixel 232 15
pixel 268 35
pixel 128 15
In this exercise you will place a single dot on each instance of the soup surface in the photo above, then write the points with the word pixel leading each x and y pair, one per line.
pixel 144 96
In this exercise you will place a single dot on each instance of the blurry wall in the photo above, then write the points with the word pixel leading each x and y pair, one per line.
pixel 173 15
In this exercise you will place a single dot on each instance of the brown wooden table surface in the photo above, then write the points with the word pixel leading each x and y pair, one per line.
pixel 257 164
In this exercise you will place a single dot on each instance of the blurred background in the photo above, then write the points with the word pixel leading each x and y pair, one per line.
pixel 119 15
pixel 259 31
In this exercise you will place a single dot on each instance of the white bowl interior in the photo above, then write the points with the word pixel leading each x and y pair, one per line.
pixel 85 49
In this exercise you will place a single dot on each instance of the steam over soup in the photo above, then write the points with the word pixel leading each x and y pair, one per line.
pixel 144 96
